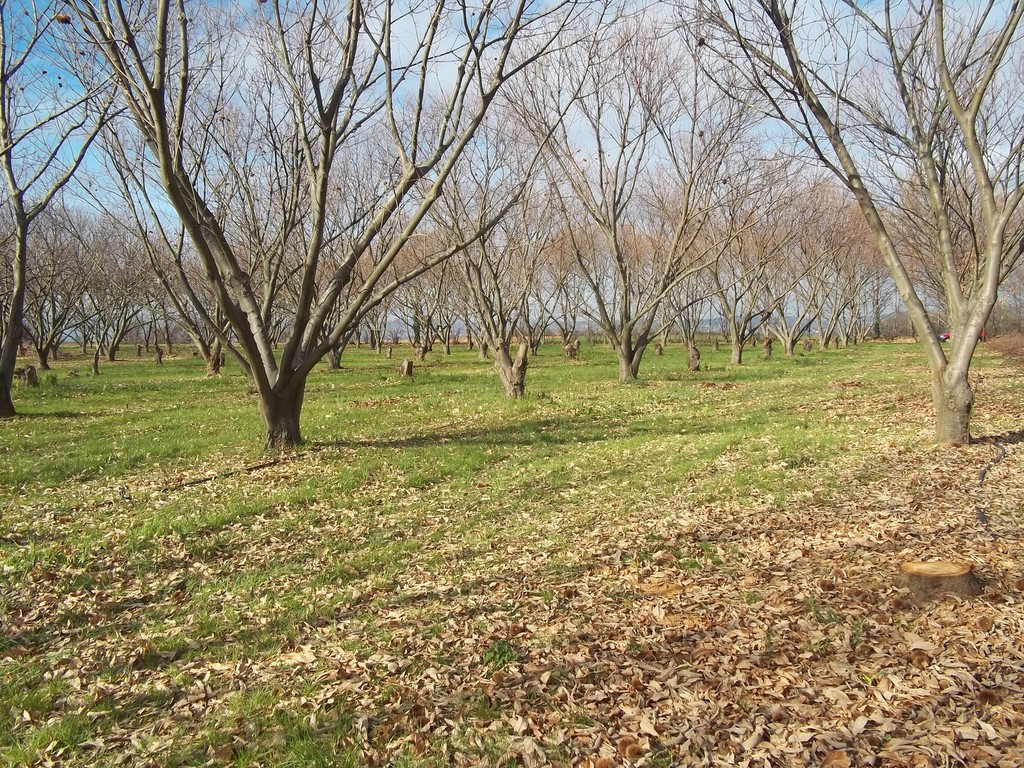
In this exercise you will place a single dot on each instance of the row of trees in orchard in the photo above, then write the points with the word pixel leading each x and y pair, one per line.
pixel 290 174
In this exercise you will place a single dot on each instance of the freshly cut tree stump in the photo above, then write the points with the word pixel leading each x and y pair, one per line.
pixel 938 577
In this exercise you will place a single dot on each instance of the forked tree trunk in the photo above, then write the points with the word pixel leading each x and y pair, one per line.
pixel 281 414
pixel 737 353
pixel 43 353
pixel 629 362
pixel 512 372
pixel 953 399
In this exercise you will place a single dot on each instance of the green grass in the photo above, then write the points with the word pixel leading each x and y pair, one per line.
pixel 134 509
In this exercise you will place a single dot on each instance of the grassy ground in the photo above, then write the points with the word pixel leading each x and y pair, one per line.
pixel 697 569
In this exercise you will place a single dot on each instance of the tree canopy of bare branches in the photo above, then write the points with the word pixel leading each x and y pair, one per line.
pixel 917 109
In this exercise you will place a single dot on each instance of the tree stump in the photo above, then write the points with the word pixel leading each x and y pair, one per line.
pixel 31 377
pixel 405 368
pixel 159 355
pixel 767 348
pixel 717 345
pixel 938 577
pixel 807 345
pixel 138 350
pixel 659 349
pixel 391 351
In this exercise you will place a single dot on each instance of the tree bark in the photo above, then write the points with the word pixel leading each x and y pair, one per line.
pixel 928 579
pixel 280 414
pixel 737 353
pixel 693 362
pixel 334 359
pixel 6 404
pixel 214 358
pixel 953 399
pixel 629 362
pixel 512 372
pixel 15 316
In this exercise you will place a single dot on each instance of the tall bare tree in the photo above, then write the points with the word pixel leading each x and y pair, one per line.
pixel 57 277
pixel 330 83
pixel 637 165
pixel 48 120
pixel 891 94
pixel 499 269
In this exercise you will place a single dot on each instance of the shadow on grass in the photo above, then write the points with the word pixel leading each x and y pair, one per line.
pixel 531 433
pixel 51 415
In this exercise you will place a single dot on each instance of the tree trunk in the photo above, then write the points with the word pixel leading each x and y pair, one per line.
pixel 15 306
pixel 334 359
pixel 737 353
pixel 214 359
pixel 96 361
pixel 281 418
pixel 512 372
pixel 790 348
pixel 693 361
pixel 6 404
pixel 112 354
pixel 43 353
pixel 483 349
pixel 629 362
pixel 953 399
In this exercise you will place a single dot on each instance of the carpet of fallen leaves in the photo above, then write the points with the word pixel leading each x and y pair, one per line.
pixel 649 631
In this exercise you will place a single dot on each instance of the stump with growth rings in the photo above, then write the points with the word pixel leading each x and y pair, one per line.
pixel 928 579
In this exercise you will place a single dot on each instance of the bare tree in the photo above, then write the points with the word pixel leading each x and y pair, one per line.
pixel 329 83
pixel 499 269
pixel 56 280
pixel 48 120
pixel 636 165
pixel 561 288
pixel 818 278
pixel 757 225
pixel 118 282
pixel 905 94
